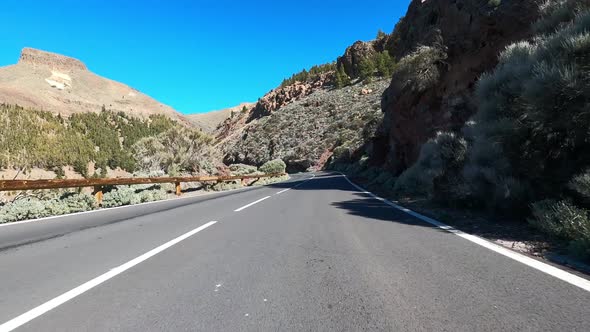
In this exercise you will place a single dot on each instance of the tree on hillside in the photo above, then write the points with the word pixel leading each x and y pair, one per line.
pixel 384 64
pixel 342 78
pixel 381 34
pixel 366 69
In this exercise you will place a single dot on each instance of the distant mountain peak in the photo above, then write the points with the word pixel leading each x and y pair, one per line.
pixel 35 57
pixel 63 85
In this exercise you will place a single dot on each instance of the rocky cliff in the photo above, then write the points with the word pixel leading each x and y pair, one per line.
pixel 63 85
pixel 358 52
pixel 38 58
pixel 465 38
pixel 283 96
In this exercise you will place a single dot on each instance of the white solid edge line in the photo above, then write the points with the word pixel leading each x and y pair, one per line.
pixel 61 299
pixel 538 265
pixel 249 205
pixel 124 207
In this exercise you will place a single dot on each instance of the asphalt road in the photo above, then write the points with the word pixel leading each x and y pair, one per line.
pixel 322 256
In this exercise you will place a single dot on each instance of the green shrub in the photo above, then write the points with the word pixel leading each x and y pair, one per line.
pixel 556 13
pixel 419 70
pixel 224 186
pixel 580 187
pixel 383 177
pixel 530 135
pixel 33 208
pixel 267 181
pixel 23 209
pixel 118 197
pixel 341 79
pixel 130 195
pixel 439 156
pixel 564 220
pixel 313 73
pixel 152 195
pixel 71 203
pixel 273 166
pixel 242 169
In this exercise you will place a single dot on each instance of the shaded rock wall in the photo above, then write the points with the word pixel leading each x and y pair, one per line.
pixel 472 33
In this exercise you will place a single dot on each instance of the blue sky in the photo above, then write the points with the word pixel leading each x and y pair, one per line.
pixel 195 56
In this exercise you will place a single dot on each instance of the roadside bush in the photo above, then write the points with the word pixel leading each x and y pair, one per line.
pixel 71 203
pixel 438 157
pixel 580 188
pixel 129 195
pixel 383 180
pixel 273 166
pixel 224 186
pixel 564 220
pixel 23 209
pixel 118 197
pixel 152 195
pixel 242 169
pixel 33 208
pixel 530 134
pixel 556 13
pixel 267 181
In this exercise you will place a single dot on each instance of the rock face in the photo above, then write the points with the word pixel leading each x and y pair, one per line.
pixel 282 96
pixel 55 61
pixel 305 133
pixel 355 53
pixel 472 33
pixel 63 85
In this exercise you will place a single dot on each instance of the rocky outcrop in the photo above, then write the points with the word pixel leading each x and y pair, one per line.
pixel 305 132
pixel 56 61
pixel 283 96
pixel 471 33
pixel 357 52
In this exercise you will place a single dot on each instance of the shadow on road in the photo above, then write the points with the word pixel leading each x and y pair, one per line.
pixel 367 207
pixel 363 205
pixel 322 181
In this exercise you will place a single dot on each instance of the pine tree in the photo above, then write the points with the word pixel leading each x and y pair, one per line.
pixel 342 78
pixel 366 69
pixel 384 64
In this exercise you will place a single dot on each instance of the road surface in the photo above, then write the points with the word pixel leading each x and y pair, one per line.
pixel 304 255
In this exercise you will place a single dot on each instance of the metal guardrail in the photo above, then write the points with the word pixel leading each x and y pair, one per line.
pixel 99 184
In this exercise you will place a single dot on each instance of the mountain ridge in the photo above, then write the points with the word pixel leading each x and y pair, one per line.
pixel 64 85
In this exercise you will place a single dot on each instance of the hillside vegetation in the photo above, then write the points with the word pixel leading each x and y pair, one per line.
pixel 526 151
pixel 32 138
pixel 306 132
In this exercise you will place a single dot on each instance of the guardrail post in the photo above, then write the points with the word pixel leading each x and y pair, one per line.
pixel 178 189
pixel 98 194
